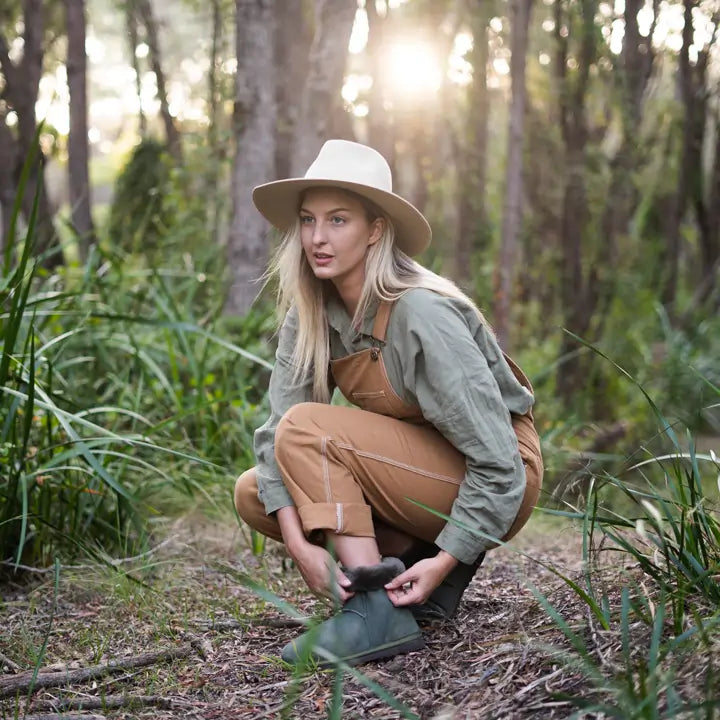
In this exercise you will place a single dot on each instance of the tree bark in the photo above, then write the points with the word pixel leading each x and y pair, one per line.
pixel 254 123
pixel 22 83
pixel 131 22
pixel 575 296
pixel 213 92
pixel 171 131
pixel 293 38
pixel 8 161
pixel 473 155
pixel 321 94
pixel 78 150
pixel 380 122
pixel 512 208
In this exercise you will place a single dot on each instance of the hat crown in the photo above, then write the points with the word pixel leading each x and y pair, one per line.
pixel 346 161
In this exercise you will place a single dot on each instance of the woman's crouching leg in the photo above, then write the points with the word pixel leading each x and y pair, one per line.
pixel 250 508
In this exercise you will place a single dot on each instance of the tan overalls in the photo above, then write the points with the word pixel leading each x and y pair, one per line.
pixel 345 466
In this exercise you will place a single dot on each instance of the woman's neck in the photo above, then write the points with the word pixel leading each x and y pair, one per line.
pixel 349 294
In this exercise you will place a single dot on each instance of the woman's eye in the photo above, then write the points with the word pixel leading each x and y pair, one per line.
pixel 305 219
pixel 337 220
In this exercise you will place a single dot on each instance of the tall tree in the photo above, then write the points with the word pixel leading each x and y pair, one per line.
pixel 22 83
pixel 153 40
pixel 380 122
pixel 572 89
pixel 254 128
pixel 8 162
pixel 323 83
pixel 293 38
pixel 512 207
pixel 698 188
pixel 131 23
pixel 80 203
pixel 472 221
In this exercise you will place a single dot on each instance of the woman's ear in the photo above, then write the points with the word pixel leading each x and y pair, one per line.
pixel 377 227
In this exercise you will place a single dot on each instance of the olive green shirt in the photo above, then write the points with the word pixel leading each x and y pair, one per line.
pixel 439 356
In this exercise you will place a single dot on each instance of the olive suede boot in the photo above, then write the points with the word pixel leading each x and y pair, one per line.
pixel 369 627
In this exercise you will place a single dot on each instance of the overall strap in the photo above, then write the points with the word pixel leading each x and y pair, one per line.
pixel 382 317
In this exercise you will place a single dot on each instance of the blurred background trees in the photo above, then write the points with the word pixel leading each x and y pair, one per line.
pixel 566 153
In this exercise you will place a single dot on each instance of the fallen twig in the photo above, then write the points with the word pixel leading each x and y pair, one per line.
pixel 63 716
pixel 11 685
pixel 106 702
pixel 276 622
pixel 5 661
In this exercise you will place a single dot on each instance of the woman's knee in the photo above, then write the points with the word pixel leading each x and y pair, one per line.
pixel 245 494
pixel 296 425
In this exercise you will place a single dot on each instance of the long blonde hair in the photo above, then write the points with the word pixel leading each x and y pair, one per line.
pixel 389 274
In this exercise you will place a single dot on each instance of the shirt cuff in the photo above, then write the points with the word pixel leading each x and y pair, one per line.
pixel 274 497
pixel 461 544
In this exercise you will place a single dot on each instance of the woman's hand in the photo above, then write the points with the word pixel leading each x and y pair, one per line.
pixel 316 565
pixel 321 572
pixel 423 577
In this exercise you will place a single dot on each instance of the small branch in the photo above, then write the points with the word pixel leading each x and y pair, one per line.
pixel 63 716
pixel 106 702
pixel 23 683
pixel 5 661
pixel 275 622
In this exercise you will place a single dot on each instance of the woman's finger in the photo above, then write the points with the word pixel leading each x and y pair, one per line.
pixel 403 579
pixel 401 597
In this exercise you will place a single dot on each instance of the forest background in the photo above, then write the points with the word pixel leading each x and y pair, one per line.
pixel 566 153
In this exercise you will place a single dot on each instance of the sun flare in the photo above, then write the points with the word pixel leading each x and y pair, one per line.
pixel 413 69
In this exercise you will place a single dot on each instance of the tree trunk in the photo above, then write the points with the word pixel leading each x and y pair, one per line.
pixel 472 231
pixel 8 160
pixel 576 297
pixel 293 38
pixel 512 209
pixel 22 82
pixel 323 83
pixel 254 123
pixel 78 141
pixel 380 122
pixel 213 92
pixel 171 132
pixel 131 21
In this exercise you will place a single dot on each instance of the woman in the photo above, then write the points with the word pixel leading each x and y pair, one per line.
pixel 443 422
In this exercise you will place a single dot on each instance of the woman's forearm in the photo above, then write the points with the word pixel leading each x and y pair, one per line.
pixel 291 528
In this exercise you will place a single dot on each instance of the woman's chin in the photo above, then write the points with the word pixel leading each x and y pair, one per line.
pixel 323 272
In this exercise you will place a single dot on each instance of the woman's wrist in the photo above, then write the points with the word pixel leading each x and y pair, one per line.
pixel 291 529
pixel 447 561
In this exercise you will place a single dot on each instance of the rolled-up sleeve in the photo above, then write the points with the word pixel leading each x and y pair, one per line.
pixel 446 370
pixel 284 392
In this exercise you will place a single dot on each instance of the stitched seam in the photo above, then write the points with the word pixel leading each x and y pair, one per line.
pixel 339 517
pixel 398 464
pixel 326 469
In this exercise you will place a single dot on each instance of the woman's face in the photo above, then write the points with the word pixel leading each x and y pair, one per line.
pixel 336 235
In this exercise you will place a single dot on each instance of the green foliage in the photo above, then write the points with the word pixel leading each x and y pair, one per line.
pixel 139 216
pixel 120 393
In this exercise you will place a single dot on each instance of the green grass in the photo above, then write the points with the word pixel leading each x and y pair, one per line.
pixel 121 399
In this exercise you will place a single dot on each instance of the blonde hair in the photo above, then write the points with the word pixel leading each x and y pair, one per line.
pixel 389 274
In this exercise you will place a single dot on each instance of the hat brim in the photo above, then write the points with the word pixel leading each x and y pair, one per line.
pixel 279 203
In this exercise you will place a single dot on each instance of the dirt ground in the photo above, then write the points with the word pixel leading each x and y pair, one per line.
pixel 494 660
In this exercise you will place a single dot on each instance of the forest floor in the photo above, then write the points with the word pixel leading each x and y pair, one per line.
pixel 493 660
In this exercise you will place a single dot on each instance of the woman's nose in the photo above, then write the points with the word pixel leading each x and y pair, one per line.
pixel 318 236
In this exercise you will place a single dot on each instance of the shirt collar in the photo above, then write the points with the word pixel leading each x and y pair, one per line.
pixel 339 320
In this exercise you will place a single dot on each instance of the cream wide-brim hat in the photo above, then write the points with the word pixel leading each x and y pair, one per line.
pixel 349 166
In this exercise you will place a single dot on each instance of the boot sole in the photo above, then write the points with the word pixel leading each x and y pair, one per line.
pixel 409 644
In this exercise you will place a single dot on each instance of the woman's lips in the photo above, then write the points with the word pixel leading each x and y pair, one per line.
pixel 321 259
